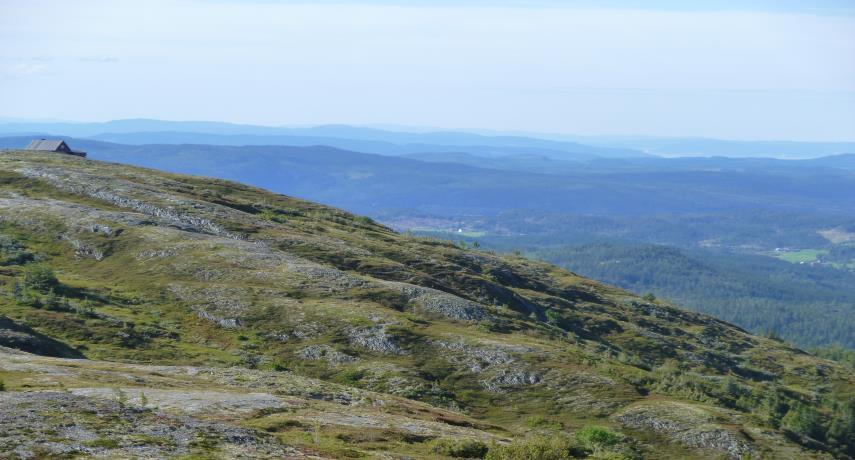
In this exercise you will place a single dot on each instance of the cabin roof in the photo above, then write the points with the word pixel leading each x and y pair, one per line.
pixel 45 144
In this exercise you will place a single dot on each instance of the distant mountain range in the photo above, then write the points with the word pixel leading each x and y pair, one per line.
pixel 671 147
pixel 393 142
pixel 451 184
pixel 138 132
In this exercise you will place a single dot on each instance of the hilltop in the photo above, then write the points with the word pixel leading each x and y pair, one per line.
pixel 151 314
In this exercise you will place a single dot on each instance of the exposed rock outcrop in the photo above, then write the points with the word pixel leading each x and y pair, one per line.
pixel 325 353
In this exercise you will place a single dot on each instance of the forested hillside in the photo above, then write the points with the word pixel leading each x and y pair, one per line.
pixel 760 293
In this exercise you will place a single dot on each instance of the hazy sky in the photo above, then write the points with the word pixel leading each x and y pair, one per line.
pixel 734 69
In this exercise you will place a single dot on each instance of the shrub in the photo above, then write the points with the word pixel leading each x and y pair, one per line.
pixel 540 448
pixel 841 430
pixel 540 422
pixel 280 365
pixel 2 386
pixel 13 253
pixel 459 448
pixel 103 443
pixel 804 421
pixel 283 425
pixel 364 220
pixel 351 376
pixel 553 317
pixel 40 278
pixel 597 437
pixel 609 456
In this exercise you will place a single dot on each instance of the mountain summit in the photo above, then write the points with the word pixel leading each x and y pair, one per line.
pixel 148 314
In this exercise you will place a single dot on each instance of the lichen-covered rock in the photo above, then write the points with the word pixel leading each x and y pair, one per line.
pixel 119 194
pixel 440 303
pixel 219 305
pixel 501 370
pixel 325 353
pixel 376 339
pixel 83 250
pixel 688 425
pixel 476 359
pixel 503 379
pixel 219 404
pixel 46 424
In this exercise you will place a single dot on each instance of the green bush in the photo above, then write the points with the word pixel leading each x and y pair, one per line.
pixel 103 443
pixel 804 421
pixel 350 377
pixel 364 220
pixel 539 448
pixel 553 317
pixel 543 423
pixel 841 430
pixel 40 278
pixel 459 448
pixel 2 386
pixel 597 437
pixel 606 455
pixel 13 253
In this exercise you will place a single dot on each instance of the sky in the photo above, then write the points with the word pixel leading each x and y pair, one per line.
pixel 718 68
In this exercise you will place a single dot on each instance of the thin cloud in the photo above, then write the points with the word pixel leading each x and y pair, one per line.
pixel 100 59
pixel 25 70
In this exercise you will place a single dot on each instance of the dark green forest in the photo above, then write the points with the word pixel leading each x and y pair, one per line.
pixel 808 305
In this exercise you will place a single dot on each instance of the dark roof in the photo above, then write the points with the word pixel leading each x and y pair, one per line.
pixel 45 144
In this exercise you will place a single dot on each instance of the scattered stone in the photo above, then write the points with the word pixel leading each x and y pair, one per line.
pixel 688 425
pixel 375 339
pixel 325 353
pixel 84 250
pixel 475 359
pixel 46 424
pixel 507 378
pixel 441 303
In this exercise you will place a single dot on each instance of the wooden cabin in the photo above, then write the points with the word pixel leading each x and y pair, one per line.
pixel 57 146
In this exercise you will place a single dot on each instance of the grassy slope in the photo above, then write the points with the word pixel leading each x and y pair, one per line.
pixel 194 271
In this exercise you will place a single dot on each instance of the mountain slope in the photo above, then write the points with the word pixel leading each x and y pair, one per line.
pixel 164 269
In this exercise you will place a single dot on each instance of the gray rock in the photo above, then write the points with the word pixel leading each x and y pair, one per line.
pixel 110 428
pixel 687 425
pixel 84 250
pixel 325 353
pixel 441 303
pixel 475 359
pixel 507 378
pixel 375 339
